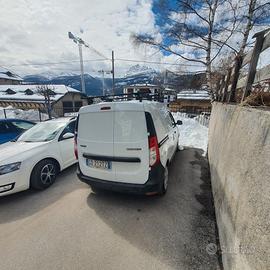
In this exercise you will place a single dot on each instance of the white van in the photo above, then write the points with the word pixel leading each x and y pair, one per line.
pixel 126 146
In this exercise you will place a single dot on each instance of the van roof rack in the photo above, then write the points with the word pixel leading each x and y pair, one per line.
pixel 125 97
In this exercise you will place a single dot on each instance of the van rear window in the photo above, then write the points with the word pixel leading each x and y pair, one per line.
pixel 129 126
pixel 96 126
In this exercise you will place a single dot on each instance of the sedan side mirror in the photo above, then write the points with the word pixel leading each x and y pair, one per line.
pixel 68 135
pixel 179 123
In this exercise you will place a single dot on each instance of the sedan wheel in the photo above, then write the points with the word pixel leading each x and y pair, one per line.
pixel 48 174
pixel 44 174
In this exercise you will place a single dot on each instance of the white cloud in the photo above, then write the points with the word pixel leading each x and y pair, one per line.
pixel 35 31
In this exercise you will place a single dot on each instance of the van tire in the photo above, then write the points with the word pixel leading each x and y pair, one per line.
pixel 95 189
pixel 164 183
pixel 38 179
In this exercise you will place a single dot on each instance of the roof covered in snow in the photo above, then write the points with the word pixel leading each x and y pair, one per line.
pixel 142 85
pixel 9 75
pixel 30 92
pixel 193 94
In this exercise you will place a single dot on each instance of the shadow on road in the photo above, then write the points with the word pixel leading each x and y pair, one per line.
pixel 175 228
pixel 26 203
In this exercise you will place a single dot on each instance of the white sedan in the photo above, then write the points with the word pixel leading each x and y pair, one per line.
pixel 35 158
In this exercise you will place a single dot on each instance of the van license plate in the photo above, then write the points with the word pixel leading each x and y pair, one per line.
pixel 99 164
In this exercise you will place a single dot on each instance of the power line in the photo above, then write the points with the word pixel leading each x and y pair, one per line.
pixel 56 63
pixel 100 60
pixel 154 62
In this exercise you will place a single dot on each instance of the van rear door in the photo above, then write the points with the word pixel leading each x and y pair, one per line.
pixel 131 145
pixel 95 141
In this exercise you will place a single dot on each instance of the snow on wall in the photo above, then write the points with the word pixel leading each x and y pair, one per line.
pixel 192 134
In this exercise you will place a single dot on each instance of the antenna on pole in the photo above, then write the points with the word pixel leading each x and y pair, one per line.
pixel 80 42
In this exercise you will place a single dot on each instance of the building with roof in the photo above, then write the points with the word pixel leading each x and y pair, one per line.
pixel 142 88
pixel 63 99
pixel 192 101
pixel 9 78
pixel 169 95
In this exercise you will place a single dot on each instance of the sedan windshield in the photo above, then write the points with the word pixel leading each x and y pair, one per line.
pixel 42 132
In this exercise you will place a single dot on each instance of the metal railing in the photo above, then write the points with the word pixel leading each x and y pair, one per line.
pixel 33 114
pixel 37 115
pixel 203 118
pixel 124 97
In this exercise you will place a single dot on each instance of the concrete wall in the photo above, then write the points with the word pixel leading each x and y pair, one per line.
pixel 239 157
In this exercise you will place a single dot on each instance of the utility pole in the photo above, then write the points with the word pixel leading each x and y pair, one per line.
pixel 165 79
pixel 103 83
pixel 113 87
pixel 82 71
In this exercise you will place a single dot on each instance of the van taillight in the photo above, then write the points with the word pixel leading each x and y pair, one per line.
pixel 75 146
pixel 154 156
pixel 76 137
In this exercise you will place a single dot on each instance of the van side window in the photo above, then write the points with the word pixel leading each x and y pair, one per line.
pixel 172 119
pixel 166 115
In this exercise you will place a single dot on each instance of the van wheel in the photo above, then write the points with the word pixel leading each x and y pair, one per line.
pixel 164 185
pixel 43 174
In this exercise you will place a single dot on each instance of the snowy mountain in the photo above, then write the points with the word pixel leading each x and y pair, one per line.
pixel 135 75
pixel 139 70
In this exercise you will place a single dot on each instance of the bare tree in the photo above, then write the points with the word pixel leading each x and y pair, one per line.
pixel 47 92
pixel 257 12
pixel 194 34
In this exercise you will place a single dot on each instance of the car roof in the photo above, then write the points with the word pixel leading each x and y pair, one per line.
pixel 15 119
pixel 132 105
pixel 61 119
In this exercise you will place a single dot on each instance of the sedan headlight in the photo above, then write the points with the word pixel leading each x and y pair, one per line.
pixel 10 167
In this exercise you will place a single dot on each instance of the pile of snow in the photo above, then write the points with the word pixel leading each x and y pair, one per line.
pixel 192 134
pixel 31 115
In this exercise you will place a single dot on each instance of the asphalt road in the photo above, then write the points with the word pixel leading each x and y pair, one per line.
pixel 69 227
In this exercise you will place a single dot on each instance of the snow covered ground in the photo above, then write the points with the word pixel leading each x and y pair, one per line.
pixel 192 134
pixel 31 115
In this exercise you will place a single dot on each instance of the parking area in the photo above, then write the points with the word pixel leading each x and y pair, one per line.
pixel 69 227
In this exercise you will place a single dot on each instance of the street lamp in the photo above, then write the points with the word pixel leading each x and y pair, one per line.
pixel 80 42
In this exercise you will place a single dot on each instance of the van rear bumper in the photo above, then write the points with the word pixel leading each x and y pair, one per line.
pixel 152 185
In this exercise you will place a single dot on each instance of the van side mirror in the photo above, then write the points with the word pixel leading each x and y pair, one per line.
pixel 179 123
